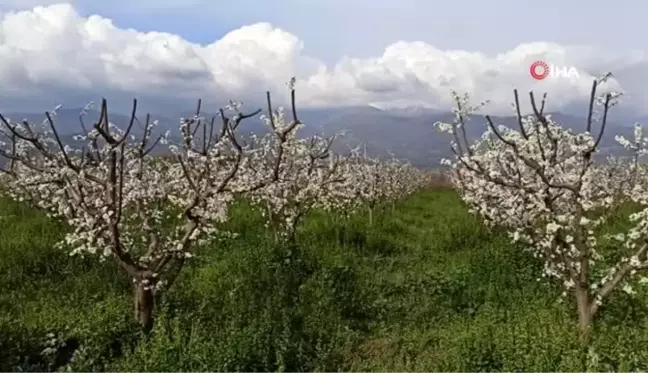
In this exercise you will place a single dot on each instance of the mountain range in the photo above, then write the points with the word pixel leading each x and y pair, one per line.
pixel 405 133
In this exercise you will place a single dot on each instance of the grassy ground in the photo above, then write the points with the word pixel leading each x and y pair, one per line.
pixel 426 288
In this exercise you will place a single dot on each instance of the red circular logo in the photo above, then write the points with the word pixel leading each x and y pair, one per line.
pixel 539 70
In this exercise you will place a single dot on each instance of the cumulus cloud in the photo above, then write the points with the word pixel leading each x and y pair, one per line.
pixel 53 53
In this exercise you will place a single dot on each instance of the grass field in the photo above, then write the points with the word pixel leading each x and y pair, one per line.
pixel 426 288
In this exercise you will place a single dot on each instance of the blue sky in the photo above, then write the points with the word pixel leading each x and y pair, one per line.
pixel 337 45
pixel 361 28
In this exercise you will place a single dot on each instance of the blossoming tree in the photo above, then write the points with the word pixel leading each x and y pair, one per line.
pixel 303 172
pixel 540 182
pixel 146 213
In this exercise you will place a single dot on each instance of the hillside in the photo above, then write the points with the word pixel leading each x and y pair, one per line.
pixel 409 135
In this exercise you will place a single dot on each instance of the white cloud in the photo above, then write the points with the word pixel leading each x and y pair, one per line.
pixel 53 50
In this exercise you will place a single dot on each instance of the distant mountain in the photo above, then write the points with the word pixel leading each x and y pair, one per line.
pixel 68 121
pixel 406 133
pixel 413 136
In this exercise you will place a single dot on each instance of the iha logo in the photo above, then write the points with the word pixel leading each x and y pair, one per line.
pixel 540 70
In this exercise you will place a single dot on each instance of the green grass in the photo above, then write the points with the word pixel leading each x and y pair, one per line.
pixel 426 288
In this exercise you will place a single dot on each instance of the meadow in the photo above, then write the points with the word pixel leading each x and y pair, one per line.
pixel 426 287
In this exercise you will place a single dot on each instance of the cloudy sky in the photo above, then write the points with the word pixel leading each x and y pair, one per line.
pixel 343 52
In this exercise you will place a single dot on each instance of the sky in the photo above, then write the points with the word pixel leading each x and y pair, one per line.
pixel 384 53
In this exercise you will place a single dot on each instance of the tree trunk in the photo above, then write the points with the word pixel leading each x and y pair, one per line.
pixel 583 303
pixel 275 235
pixel 144 305
pixel 291 235
pixel 370 215
pixel 336 227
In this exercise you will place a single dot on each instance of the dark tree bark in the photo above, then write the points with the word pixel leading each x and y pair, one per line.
pixel 144 306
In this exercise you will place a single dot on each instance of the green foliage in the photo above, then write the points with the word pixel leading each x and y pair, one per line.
pixel 426 287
